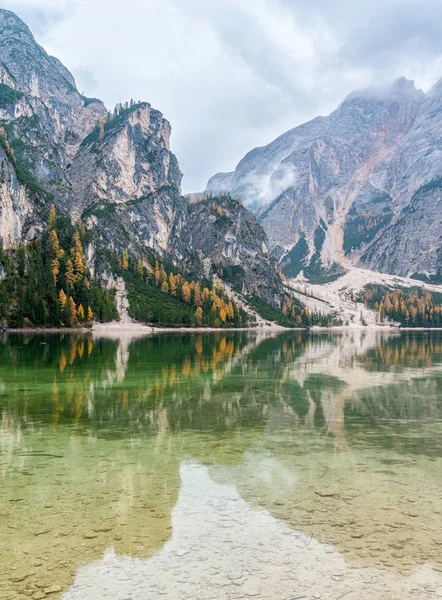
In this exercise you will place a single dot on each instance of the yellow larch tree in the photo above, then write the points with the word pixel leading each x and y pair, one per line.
pixel 101 127
pixel 55 269
pixel 55 244
pixel 77 245
pixel 198 297
pixel 80 313
pixel 52 216
pixel 185 291
pixel 172 284
pixel 125 260
pixel 157 274
pixel 70 275
pixel 62 299
pixel 79 266
pixel 199 316
pixel 73 307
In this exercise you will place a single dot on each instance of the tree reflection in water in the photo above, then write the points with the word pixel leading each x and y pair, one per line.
pixel 311 427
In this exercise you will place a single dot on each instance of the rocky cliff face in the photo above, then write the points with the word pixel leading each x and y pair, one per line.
pixel 115 171
pixel 227 234
pixel 412 174
pixel 58 146
pixel 46 96
pixel 332 192
pixel 126 184
pixel 17 210
pixel 413 245
pixel 43 119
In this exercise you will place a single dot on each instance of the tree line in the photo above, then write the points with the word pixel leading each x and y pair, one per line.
pixel 47 283
pixel 161 295
pixel 413 307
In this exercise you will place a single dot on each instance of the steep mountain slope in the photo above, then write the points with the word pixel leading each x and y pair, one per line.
pixel 413 245
pixel 114 171
pixel 227 234
pixel 43 120
pixel 68 150
pixel 335 189
pixel 413 173
pixel 126 184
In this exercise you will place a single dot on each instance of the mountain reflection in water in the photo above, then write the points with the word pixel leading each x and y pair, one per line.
pixel 110 448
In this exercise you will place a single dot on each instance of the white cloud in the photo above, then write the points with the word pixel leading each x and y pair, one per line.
pixel 232 74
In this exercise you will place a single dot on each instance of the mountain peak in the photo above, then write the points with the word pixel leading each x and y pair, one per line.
pixel 400 87
pixel 406 87
pixel 402 84
pixel 24 62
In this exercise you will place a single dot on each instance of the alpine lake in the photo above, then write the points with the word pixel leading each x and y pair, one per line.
pixel 221 466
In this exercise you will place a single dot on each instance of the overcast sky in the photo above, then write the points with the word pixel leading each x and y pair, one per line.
pixel 233 74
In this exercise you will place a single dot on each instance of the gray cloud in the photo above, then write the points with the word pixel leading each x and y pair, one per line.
pixel 233 74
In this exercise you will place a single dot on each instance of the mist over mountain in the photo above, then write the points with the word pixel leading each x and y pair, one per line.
pixel 359 187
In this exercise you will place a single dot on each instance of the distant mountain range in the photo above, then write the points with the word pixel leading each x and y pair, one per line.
pixel 362 186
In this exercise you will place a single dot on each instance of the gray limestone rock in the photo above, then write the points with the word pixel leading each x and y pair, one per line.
pixel 115 171
pixel 228 234
pixel 352 175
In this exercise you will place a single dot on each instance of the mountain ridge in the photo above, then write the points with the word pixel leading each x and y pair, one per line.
pixel 349 175
pixel 91 197
pixel 113 174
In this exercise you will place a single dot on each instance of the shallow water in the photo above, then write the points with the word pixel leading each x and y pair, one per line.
pixel 221 466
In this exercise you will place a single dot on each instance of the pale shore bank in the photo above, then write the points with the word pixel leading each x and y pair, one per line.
pixel 138 329
pixel 103 329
